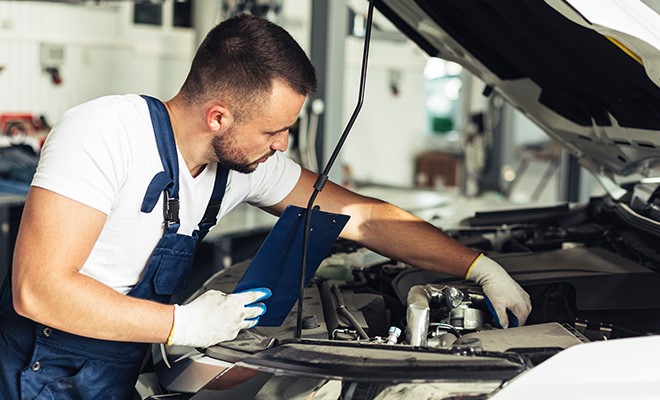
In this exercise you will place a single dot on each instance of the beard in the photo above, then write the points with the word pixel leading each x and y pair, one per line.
pixel 229 156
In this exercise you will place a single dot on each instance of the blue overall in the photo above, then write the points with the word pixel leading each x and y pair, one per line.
pixel 38 362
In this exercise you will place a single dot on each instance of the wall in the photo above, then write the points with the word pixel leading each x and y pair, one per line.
pixel 390 129
pixel 104 53
pixel 296 19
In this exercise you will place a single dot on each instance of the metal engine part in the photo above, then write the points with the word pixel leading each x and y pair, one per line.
pixel 450 300
pixel 466 317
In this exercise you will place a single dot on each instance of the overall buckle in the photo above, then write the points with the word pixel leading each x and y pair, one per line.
pixel 170 209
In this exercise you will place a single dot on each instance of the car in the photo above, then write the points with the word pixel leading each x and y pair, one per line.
pixel 587 73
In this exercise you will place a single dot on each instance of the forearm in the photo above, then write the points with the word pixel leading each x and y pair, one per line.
pixel 393 232
pixel 81 305
pixel 385 228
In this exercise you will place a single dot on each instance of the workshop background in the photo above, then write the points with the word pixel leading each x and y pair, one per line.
pixel 426 136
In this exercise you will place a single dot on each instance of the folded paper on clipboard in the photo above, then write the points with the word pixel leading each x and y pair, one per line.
pixel 277 262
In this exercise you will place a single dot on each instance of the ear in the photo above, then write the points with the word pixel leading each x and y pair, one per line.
pixel 218 118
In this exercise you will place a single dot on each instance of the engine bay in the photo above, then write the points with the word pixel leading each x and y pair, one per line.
pixel 590 271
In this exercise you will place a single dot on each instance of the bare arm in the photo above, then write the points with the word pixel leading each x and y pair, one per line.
pixel 385 228
pixel 54 240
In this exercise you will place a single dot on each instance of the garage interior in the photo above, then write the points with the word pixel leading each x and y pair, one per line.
pixel 443 144
pixel 430 137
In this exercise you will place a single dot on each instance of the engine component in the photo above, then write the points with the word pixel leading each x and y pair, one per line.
pixel 546 335
pixel 465 317
pixel 342 310
pixel 418 309
pixel 393 336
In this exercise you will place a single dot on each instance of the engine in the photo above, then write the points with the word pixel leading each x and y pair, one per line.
pixel 589 272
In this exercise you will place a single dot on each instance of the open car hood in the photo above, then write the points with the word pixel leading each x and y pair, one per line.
pixel 587 72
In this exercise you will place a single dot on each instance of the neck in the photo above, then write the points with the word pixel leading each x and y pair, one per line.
pixel 184 136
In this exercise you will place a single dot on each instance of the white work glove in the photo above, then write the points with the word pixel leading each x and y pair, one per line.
pixel 216 317
pixel 501 290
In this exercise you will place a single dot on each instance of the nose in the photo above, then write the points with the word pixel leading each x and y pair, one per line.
pixel 281 141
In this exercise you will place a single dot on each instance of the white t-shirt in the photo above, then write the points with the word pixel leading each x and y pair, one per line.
pixel 103 154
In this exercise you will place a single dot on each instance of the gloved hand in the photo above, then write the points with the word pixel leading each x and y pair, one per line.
pixel 216 317
pixel 504 293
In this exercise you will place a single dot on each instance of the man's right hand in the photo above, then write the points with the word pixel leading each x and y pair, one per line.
pixel 216 317
pixel 504 293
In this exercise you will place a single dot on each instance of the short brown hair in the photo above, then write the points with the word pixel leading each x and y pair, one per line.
pixel 239 60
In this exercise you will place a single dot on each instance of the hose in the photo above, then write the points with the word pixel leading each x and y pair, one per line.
pixel 342 310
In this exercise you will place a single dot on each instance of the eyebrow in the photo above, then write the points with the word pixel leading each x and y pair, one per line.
pixel 286 128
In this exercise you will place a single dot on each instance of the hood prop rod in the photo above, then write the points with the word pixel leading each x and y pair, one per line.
pixel 323 177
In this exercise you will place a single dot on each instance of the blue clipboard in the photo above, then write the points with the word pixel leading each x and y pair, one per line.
pixel 277 262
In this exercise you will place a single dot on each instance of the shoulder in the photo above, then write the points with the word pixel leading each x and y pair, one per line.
pixel 94 149
pixel 106 111
pixel 110 120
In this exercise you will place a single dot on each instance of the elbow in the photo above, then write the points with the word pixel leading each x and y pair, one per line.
pixel 25 301
pixel 21 303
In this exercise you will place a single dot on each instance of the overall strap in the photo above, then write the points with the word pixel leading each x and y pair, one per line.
pixel 168 180
pixel 213 208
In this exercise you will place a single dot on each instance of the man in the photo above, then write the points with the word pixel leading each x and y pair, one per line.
pixel 96 259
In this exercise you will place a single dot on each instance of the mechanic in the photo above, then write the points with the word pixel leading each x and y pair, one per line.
pixel 96 259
